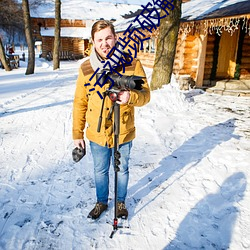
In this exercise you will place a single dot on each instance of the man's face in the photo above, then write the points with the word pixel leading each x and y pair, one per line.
pixel 104 41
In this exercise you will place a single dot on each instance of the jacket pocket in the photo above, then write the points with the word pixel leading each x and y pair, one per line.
pixel 126 119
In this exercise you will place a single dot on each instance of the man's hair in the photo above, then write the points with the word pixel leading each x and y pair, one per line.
pixel 100 25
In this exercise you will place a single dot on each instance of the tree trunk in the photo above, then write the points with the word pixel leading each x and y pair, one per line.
pixel 56 59
pixel 28 33
pixel 3 57
pixel 165 53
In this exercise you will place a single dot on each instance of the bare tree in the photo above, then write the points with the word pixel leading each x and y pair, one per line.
pixel 3 57
pixel 165 53
pixel 11 16
pixel 28 33
pixel 11 24
pixel 56 59
pixel 36 3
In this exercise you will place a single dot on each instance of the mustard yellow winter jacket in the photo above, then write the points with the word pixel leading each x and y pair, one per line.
pixel 87 107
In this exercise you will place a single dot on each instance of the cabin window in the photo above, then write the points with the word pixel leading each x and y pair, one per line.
pixel 149 45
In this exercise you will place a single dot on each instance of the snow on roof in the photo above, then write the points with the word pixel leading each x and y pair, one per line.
pixel 92 10
pixel 197 9
pixel 114 9
pixel 138 2
pixel 79 32
pixel 236 9
pixel 84 10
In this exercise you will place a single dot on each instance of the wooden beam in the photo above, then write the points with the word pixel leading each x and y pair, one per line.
pixel 201 60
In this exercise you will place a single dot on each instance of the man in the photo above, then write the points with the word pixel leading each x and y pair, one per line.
pixel 87 107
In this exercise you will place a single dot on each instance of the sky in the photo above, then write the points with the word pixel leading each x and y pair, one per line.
pixel 189 169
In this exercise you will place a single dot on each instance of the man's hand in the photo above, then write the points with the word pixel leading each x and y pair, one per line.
pixel 79 151
pixel 79 143
pixel 123 97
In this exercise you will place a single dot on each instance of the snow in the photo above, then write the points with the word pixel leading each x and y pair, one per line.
pixel 81 32
pixel 113 9
pixel 189 169
pixel 195 9
pixel 192 10
pixel 84 10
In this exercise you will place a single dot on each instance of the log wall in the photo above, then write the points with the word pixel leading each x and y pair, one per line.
pixel 209 57
pixel 187 51
pixel 147 59
pixel 178 62
pixel 73 45
pixel 50 22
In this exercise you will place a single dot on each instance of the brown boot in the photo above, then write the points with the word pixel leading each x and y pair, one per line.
pixel 97 210
pixel 122 211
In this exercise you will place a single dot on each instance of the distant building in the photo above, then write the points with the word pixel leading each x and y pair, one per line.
pixel 74 37
pixel 77 19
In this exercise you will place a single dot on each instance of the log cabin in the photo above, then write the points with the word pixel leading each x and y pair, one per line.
pixel 74 37
pixel 77 19
pixel 213 43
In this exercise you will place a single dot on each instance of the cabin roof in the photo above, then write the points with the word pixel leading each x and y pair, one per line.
pixel 196 10
pixel 209 9
pixel 77 32
pixel 83 10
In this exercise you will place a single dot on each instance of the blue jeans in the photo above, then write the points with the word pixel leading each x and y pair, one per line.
pixel 102 158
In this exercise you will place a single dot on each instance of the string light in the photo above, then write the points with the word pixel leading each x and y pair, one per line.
pixel 218 25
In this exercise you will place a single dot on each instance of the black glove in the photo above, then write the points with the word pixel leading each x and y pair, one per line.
pixel 78 153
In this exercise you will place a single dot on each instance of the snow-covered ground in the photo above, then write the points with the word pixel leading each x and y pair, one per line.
pixel 189 170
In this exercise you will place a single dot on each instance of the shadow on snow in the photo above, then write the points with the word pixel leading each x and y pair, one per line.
pixel 190 153
pixel 211 221
pixel 209 225
pixel 23 110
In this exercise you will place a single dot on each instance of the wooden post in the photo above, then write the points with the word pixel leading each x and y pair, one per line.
pixel 201 60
